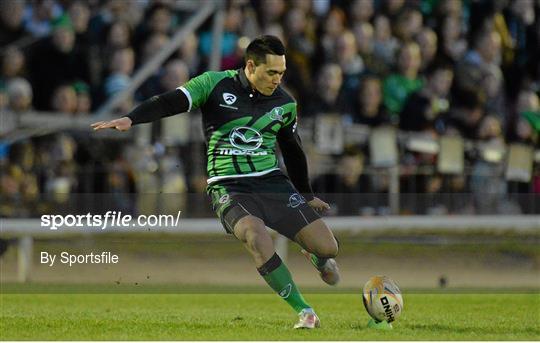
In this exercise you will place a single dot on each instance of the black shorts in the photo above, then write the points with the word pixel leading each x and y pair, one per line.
pixel 271 197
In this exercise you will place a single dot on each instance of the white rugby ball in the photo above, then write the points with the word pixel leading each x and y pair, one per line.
pixel 382 299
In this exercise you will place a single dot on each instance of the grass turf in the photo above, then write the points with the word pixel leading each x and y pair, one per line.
pixel 262 317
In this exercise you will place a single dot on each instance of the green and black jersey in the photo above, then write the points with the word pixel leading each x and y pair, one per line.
pixel 241 125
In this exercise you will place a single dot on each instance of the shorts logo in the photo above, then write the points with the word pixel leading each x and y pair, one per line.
pixel 224 198
pixel 229 98
pixel 277 113
pixel 246 138
pixel 285 292
pixel 295 200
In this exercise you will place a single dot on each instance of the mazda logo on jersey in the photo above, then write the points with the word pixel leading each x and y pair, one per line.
pixel 229 98
pixel 246 138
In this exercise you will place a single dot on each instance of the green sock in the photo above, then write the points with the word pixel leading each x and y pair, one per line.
pixel 318 262
pixel 277 276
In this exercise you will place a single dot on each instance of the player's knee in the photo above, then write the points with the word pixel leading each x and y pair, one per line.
pixel 254 233
pixel 328 250
pixel 258 240
pixel 246 224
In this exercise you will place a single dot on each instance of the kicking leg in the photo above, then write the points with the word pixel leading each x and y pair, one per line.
pixel 320 246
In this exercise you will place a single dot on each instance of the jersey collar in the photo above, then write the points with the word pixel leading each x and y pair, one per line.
pixel 244 81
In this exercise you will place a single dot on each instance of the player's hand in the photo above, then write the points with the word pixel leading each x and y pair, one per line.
pixel 121 124
pixel 318 205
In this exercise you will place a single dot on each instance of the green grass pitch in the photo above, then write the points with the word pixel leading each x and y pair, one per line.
pixel 255 316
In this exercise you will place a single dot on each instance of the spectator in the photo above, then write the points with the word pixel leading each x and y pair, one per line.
pixel 487 183
pixel 398 86
pixel 79 14
pixel 231 34
pixel 328 97
pixel 84 100
pixel 11 22
pixel 361 11
pixel 270 12
pixel 524 126
pixel 365 43
pixel 152 46
pixel 18 181
pixel 188 54
pixel 13 63
pixel 452 9
pixel 39 15
pixel 408 25
pixel 173 74
pixel 523 27
pixel 424 106
pixel 385 45
pixel 65 99
pixel 491 84
pixel 118 35
pixel 392 8
pixel 520 17
pixel 62 181
pixel 54 61
pixel 3 103
pixel 332 28
pixel 451 42
pixel 465 114
pixel 121 67
pixel 490 129
pixel 349 60
pixel 110 12
pixel 158 21
pixel 346 188
pixel 20 95
pixel 369 108
pixel 484 55
pixel 275 30
pixel 300 52
pixel 427 41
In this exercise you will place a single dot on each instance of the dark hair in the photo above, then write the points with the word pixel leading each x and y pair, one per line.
pixel 263 45
pixel 477 38
pixel 470 99
pixel 369 76
pixel 438 64
pixel 156 7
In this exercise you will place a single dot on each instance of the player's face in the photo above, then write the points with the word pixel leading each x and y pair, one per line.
pixel 266 77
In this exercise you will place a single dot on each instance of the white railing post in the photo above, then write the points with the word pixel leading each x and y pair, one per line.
pixel 25 247
pixel 217 35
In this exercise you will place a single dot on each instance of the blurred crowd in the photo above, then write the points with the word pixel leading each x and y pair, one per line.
pixel 435 67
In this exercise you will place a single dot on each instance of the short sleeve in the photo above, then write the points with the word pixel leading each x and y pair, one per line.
pixel 197 90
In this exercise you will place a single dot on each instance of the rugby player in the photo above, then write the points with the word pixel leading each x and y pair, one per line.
pixel 245 113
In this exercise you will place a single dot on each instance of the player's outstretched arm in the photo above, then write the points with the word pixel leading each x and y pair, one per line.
pixel 121 124
pixel 155 108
